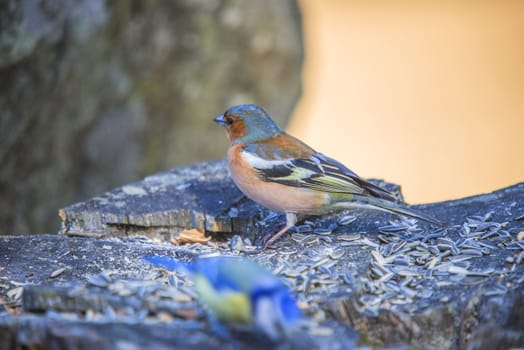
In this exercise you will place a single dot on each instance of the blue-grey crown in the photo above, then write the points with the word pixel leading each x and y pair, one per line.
pixel 258 122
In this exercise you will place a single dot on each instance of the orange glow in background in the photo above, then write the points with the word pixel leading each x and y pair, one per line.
pixel 428 95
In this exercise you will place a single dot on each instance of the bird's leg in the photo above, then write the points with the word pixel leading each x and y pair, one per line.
pixel 291 220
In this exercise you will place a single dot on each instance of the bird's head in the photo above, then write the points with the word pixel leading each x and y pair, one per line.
pixel 247 123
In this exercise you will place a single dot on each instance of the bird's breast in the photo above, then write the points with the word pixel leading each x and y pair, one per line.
pixel 273 195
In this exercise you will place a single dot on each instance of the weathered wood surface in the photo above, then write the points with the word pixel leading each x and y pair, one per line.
pixel 397 282
pixel 107 297
pixel 199 196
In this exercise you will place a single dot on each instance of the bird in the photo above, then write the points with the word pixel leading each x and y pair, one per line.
pixel 238 290
pixel 282 173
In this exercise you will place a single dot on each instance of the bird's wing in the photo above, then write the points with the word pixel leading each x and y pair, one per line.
pixel 313 172
pixel 288 162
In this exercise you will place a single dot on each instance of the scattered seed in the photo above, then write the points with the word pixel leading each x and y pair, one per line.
pixel 393 228
pixel 100 280
pixel 410 293
pixel 336 254
pixel 57 272
pixel 304 228
pixel 425 293
pixel 462 271
pixel 367 242
pixel 322 231
pixel 378 257
pixel 15 293
pixel 497 289
pixel 405 272
pixel 309 240
pixel 387 276
pixel 346 220
pixel 471 252
pixel 319 263
pixel 348 237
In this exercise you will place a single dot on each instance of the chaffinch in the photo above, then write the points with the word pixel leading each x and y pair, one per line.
pixel 237 290
pixel 282 173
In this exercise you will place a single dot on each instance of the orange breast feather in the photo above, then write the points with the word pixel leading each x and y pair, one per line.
pixel 273 195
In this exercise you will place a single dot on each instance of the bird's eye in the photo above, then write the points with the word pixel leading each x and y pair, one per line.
pixel 229 120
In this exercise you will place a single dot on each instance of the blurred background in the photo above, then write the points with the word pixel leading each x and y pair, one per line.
pixel 425 94
pixel 95 94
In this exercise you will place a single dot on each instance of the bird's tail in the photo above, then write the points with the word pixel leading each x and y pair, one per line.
pixel 166 262
pixel 392 207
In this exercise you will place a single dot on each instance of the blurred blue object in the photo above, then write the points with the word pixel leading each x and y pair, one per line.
pixel 238 290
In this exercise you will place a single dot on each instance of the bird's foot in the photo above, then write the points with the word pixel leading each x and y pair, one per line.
pixel 268 239
pixel 291 220
pixel 273 238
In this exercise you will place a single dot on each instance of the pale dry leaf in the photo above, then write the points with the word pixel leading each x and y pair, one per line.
pixel 194 235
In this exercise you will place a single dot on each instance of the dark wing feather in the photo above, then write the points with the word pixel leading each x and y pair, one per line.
pixel 372 189
pixel 317 172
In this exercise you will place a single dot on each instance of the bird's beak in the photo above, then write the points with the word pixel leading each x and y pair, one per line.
pixel 219 119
